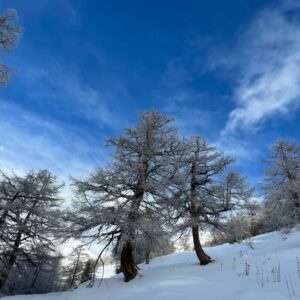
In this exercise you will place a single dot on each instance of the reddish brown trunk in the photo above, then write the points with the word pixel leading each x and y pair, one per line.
pixel 204 259
pixel 128 266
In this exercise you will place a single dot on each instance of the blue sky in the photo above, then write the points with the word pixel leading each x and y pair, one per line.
pixel 228 70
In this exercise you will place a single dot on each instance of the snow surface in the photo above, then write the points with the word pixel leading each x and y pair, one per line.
pixel 179 276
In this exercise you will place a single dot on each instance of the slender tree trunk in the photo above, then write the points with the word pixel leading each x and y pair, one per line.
pixel 253 227
pixel 148 257
pixel 128 266
pixel 204 259
pixel 36 275
pixel 74 276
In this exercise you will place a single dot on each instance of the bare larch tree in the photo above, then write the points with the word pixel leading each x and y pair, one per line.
pixel 29 219
pixel 202 191
pixel 120 204
pixel 282 185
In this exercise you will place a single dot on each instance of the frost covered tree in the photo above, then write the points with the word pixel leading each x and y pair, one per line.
pixel 282 185
pixel 41 277
pixel 120 204
pixel 203 192
pixel 30 220
pixel 8 36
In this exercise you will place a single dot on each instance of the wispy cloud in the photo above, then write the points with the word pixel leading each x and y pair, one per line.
pixel 70 9
pixel 63 9
pixel 267 61
pixel 31 142
pixel 190 120
pixel 183 69
pixel 58 87
pixel 62 124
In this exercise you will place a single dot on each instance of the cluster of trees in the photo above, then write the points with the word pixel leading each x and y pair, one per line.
pixel 30 211
pixel 78 269
pixel 280 205
pixel 156 187
pixel 32 225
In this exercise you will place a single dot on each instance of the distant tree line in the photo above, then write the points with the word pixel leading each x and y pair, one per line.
pixel 280 205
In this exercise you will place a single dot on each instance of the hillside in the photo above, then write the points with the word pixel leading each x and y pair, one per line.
pixel 264 267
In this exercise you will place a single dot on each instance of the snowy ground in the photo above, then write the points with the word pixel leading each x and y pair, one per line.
pixel 265 267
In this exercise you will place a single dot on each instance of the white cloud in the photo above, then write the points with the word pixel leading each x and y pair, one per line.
pixel 28 141
pixel 69 139
pixel 188 119
pixel 67 9
pixel 268 60
pixel 58 87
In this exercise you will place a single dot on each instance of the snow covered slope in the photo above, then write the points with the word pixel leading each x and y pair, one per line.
pixel 264 267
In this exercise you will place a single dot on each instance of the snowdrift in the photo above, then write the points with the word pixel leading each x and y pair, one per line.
pixel 263 267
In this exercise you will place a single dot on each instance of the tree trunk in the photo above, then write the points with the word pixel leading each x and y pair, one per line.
pixel 36 275
pixel 148 257
pixel 10 261
pixel 204 259
pixel 74 276
pixel 128 266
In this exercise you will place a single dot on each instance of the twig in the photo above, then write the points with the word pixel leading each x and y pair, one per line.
pixel 288 288
pixel 292 286
pixel 247 269
pixel 96 262
pixel 278 273
pixel 260 277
